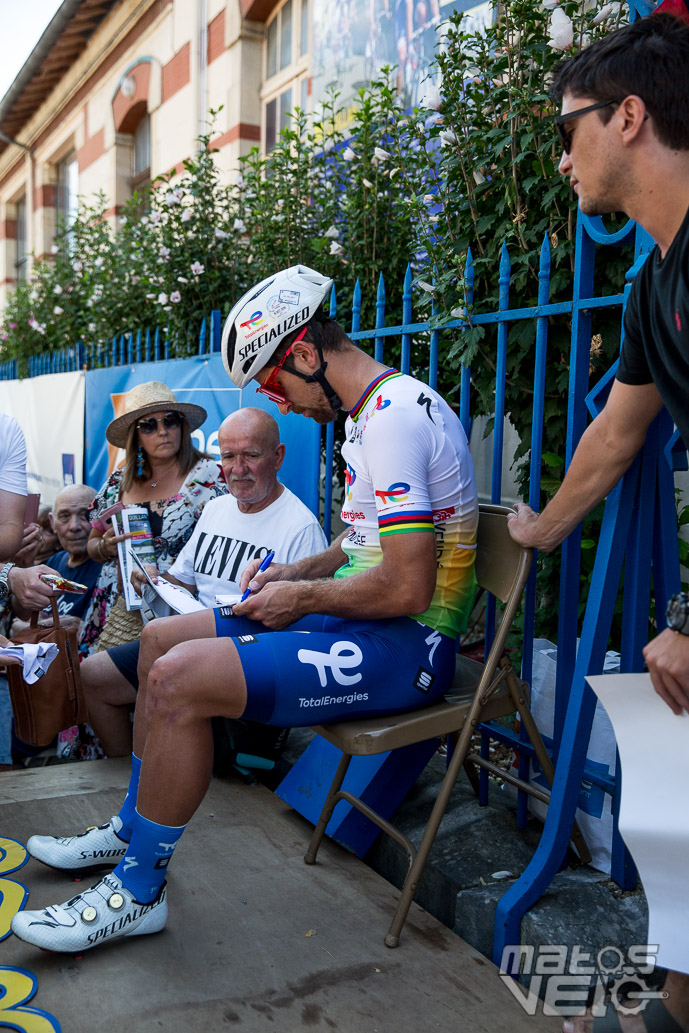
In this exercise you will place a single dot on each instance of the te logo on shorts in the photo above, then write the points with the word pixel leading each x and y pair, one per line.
pixel 341 657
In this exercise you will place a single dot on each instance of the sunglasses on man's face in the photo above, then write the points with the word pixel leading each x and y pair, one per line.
pixel 270 386
pixel 562 122
pixel 150 424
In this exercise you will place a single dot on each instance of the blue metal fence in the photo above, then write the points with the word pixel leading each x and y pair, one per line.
pixel 640 506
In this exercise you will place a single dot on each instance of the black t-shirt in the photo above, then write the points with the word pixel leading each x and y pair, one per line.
pixel 656 328
pixel 69 603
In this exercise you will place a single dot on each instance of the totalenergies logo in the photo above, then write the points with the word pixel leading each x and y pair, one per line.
pixel 349 477
pixel 253 321
pixel 396 492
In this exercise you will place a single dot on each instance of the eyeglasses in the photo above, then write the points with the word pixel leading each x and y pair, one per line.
pixel 270 387
pixel 562 120
pixel 150 424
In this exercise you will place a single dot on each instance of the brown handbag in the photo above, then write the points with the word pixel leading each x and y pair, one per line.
pixel 56 700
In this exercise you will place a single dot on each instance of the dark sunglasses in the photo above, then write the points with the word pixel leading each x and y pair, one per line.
pixel 562 120
pixel 271 386
pixel 150 424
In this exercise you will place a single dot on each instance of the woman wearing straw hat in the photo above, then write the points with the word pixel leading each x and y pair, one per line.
pixel 162 472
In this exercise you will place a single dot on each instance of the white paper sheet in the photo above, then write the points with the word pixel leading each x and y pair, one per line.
pixel 654 814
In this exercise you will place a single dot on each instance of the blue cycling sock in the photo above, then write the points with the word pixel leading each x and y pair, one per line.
pixel 144 866
pixel 128 808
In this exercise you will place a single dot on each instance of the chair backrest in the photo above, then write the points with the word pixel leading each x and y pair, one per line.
pixel 502 566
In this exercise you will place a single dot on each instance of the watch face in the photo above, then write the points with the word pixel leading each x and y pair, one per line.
pixel 677 613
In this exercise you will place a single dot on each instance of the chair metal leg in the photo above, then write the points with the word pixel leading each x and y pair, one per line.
pixel 526 717
pixel 328 808
pixel 415 872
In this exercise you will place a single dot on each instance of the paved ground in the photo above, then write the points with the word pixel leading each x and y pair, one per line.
pixel 256 940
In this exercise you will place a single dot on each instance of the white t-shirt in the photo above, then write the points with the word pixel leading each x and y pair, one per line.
pixel 225 540
pixel 12 456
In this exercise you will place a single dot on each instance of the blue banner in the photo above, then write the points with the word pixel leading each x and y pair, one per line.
pixel 203 381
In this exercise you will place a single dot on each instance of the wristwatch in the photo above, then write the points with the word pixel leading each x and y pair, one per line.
pixel 676 614
pixel 5 591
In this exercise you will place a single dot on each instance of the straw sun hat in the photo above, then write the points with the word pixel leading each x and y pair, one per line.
pixel 144 399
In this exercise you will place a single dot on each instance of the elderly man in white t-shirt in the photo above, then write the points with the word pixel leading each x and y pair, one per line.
pixel 259 516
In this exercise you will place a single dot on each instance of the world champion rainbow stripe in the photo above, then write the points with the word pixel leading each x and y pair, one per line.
pixel 390 374
pixel 405 521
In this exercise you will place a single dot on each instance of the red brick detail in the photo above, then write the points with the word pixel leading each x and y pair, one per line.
pixel 116 210
pixel 127 111
pixel 216 37
pixel 242 131
pixel 10 280
pixel 177 72
pixel 8 229
pixel 44 197
pixel 92 149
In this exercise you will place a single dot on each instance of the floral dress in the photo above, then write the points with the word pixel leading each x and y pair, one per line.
pixel 172 521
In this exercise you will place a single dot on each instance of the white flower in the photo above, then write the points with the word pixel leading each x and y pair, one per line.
pixel 368 185
pixel 144 220
pixel 197 268
pixel 99 262
pixel 182 279
pixel 221 234
pixel 335 248
pixel 162 298
pixel 186 215
pixel 54 249
pixel 77 266
pixel 175 297
pixel 561 31
pixel 332 231
pixel 428 287
pixel 348 154
pixel 150 297
pixel 607 11
pixel 123 220
pixel 34 295
pixel 239 181
pixel 549 5
pixel 239 226
pixel 447 137
pixel 328 145
pixel 393 173
pixel 171 197
pixel 57 289
pixel 430 198
pixel 92 328
pixel 57 311
pixel 432 98
pixel 155 217
pixel 164 252
pixel 479 177
pixel 379 154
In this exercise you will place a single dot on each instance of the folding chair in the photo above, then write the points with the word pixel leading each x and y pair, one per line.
pixel 480 692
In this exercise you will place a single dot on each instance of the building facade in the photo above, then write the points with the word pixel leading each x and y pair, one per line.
pixel 116 93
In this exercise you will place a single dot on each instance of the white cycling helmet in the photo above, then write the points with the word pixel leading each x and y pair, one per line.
pixel 265 314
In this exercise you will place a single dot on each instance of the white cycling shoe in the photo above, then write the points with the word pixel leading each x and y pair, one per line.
pixel 102 913
pixel 98 847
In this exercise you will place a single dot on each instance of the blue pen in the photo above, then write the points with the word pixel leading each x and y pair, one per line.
pixel 265 563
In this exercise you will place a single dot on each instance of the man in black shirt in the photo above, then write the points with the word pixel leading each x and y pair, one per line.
pixel 624 127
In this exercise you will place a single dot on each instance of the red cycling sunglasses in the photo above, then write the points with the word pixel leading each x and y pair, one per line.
pixel 270 386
